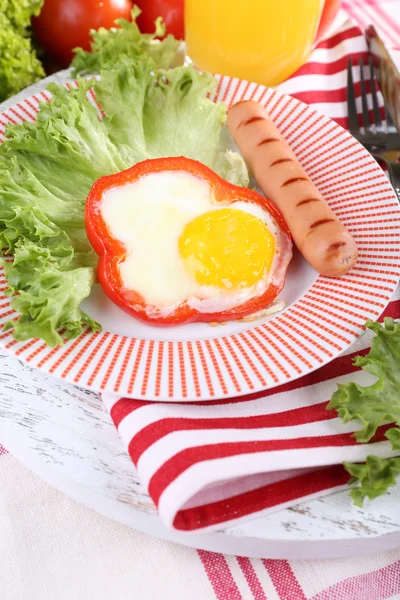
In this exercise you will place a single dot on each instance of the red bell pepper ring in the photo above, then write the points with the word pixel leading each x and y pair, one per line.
pixel 112 252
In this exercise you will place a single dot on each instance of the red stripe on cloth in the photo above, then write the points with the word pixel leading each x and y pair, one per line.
pixel 3 450
pixel 220 576
pixel 391 23
pixel 268 496
pixel 285 581
pixel 365 13
pixel 154 432
pixel 336 39
pixel 188 457
pixel 371 15
pixel 377 585
pixel 350 8
pixel 339 95
pixel 342 121
pixel 312 97
pixel 123 407
pixel 392 310
pixel 251 578
pixel 321 68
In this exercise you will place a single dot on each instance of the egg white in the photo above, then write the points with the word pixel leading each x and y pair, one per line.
pixel 148 217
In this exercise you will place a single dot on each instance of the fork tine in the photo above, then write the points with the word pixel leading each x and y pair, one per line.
pixel 354 125
pixel 365 111
pixel 375 103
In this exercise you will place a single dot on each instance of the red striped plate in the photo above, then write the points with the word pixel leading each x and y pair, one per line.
pixel 323 316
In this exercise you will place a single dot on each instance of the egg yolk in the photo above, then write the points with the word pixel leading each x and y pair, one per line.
pixel 227 248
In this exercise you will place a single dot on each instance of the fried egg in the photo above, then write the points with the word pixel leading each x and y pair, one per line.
pixel 182 246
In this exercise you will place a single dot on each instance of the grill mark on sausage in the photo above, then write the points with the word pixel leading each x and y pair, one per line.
pixel 294 180
pixel 280 161
pixel 268 141
pixel 252 120
pixel 306 201
pixel 320 222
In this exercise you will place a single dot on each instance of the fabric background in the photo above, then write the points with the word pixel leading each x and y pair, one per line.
pixel 52 548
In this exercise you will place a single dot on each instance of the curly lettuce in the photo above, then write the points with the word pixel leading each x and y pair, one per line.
pixel 126 40
pixel 48 167
pixel 375 405
pixel 19 65
pixel 20 12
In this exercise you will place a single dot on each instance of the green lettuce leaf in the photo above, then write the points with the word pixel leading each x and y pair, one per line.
pixel 46 171
pixel 375 477
pixel 67 133
pixel 19 65
pixel 231 166
pixel 48 167
pixel 49 293
pixel 19 13
pixel 379 403
pixel 126 40
pixel 169 114
pixel 375 405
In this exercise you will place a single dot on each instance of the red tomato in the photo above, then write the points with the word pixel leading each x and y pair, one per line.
pixel 64 24
pixel 170 10
pixel 331 8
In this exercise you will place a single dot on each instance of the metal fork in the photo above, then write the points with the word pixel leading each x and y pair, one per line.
pixel 383 142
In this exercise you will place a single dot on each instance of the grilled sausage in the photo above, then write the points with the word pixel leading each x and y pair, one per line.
pixel 319 235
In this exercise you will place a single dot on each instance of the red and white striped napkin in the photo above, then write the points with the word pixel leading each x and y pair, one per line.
pixel 208 465
pixel 211 464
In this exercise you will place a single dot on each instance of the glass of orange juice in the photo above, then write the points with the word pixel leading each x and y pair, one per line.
pixel 260 40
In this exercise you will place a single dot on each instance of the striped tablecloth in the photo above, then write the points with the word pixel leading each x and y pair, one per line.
pixel 50 547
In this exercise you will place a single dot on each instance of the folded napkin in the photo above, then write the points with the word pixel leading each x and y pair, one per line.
pixel 210 464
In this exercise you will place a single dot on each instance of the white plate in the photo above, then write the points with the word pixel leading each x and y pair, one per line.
pixel 323 316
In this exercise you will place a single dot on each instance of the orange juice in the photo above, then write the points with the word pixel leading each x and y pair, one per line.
pixel 259 40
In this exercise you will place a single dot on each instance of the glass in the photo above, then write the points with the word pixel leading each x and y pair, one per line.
pixel 260 40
